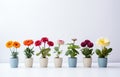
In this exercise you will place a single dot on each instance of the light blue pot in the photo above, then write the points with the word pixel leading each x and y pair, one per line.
pixel 13 62
pixel 72 62
pixel 102 62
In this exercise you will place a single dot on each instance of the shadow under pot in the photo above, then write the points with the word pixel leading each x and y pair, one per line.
pixel 43 62
pixel 13 62
pixel 72 62
pixel 102 62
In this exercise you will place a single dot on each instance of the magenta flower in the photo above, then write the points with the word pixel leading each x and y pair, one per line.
pixel 37 43
pixel 44 39
pixel 50 43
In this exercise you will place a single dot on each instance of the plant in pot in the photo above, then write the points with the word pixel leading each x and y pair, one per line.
pixel 44 50
pixel 13 46
pixel 28 52
pixel 104 52
pixel 87 51
pixel 72 52
pixel 58 60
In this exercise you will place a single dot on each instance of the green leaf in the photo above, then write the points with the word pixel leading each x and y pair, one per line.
pixel 38 54
pixel 48 54
pixel 109 50
pixel 98 52
pixel 68 52
pixel 56 48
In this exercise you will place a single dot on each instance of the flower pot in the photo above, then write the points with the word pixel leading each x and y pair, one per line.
pixel 87 62
pixel 72 62
pixel 43 62
pixel 58 62
pixel 102 62
pixel 28 62
pixel 14 62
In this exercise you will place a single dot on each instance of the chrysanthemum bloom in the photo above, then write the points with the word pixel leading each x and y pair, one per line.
pixel 16 44
pixel 9 44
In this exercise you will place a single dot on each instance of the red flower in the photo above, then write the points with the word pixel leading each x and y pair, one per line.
pixel 44 39
pixel 28 42
pixel 37 43
pixel 50 43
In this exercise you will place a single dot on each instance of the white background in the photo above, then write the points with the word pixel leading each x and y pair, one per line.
pixel 59 19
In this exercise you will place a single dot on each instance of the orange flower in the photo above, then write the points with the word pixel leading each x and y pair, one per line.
pixel 9 44
pixel 28 42
pixel 16 44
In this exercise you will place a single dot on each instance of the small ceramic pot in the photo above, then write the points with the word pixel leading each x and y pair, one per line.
pixel 43 62
pixel 14 62
pixel 87 62
pixel 102 62
pixel 58 62
pixel 72 62
pixel 28 62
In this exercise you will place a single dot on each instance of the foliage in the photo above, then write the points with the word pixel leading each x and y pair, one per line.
pixel 57 48
pixel 87 48
pixel 44 51
pixel 103 42
pixel 104 52
pixel 28 52
pixel 13 45
pixel 72 49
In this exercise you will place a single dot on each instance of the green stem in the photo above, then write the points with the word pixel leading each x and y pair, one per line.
pixel 39 47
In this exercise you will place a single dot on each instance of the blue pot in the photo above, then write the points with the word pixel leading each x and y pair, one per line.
pixel 14 62
pixel 102 62
pixel 72 62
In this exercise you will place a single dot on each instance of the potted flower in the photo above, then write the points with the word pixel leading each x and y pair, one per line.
pixel 28 52
pixel 72 52
pixel 87 52
pixel 44 50
pixel 104 52
pixel 13 45
pixel 57 60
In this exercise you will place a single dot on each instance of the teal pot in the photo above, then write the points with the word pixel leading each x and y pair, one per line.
pixel 72 62
pixel 14 62
pixel 102 62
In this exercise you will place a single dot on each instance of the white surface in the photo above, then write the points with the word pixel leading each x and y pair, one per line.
pixel 59 19
pixel 113 70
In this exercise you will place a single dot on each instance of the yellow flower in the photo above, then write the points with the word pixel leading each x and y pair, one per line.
pixel 103 42
pixel 9 44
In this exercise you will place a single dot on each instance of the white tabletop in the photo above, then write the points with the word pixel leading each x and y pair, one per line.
pixel 113 70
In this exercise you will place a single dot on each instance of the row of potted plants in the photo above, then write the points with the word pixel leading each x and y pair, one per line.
pixel 44 45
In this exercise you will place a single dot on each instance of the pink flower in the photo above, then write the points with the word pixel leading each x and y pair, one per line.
pixel 60 42
pixel 44 39
pixel 37 43
pixel 50 43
